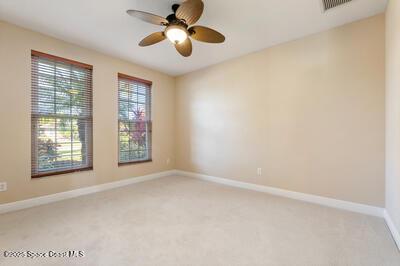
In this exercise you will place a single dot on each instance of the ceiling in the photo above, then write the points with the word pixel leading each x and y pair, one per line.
pixel 249 25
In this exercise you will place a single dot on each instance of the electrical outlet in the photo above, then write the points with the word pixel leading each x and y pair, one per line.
pixel 259 172
pixel 168 161
pixel 3 186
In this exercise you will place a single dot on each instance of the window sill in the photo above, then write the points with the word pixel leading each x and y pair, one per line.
pixel 135 162
pixel 62 172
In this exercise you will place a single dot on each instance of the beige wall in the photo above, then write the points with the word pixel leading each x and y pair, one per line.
pixel 15 46
pixel 393 111
pixel 310 113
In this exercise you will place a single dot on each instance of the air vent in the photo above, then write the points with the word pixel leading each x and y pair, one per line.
pixel 329 4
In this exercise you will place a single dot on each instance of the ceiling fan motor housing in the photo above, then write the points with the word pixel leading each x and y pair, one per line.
pixel 175 7
pixel 173 20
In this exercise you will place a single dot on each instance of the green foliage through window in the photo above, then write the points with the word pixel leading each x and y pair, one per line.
pixel 134 99
pixel 61 116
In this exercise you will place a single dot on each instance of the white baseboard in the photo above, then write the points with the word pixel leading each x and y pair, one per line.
pixel 334 203
pixel 392 228
pixel 23 204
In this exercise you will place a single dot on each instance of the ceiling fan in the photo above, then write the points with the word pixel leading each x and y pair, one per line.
pixel 178 27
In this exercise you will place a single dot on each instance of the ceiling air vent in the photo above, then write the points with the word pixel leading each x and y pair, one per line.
pixel 329 4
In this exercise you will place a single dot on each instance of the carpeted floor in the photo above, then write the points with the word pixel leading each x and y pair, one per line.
pixel 183 221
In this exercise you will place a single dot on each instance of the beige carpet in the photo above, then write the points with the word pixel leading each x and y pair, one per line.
pixel 182 221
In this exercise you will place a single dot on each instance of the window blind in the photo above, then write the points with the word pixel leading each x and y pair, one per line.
pixel 61 115
pixel 134 122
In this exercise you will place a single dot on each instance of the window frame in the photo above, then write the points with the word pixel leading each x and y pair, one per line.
pixel 150 130
pixel 89 143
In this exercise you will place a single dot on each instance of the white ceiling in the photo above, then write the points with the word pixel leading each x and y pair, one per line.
pixel 248 25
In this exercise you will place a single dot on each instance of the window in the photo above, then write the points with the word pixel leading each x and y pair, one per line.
pixel 134 122
pixel 61 115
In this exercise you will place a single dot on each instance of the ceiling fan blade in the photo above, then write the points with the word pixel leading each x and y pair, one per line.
pixel 152 39
pixel 185 48
pixel 190 11
pixel 148 17
pixel 204 34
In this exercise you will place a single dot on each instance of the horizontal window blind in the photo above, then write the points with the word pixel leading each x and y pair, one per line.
pixel 61 115
pixel 134 123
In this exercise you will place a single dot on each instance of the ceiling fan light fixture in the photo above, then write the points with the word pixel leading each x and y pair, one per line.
pixel 179 27
pixel 176 34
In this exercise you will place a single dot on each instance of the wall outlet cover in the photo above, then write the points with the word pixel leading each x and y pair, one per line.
pixel 3 186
